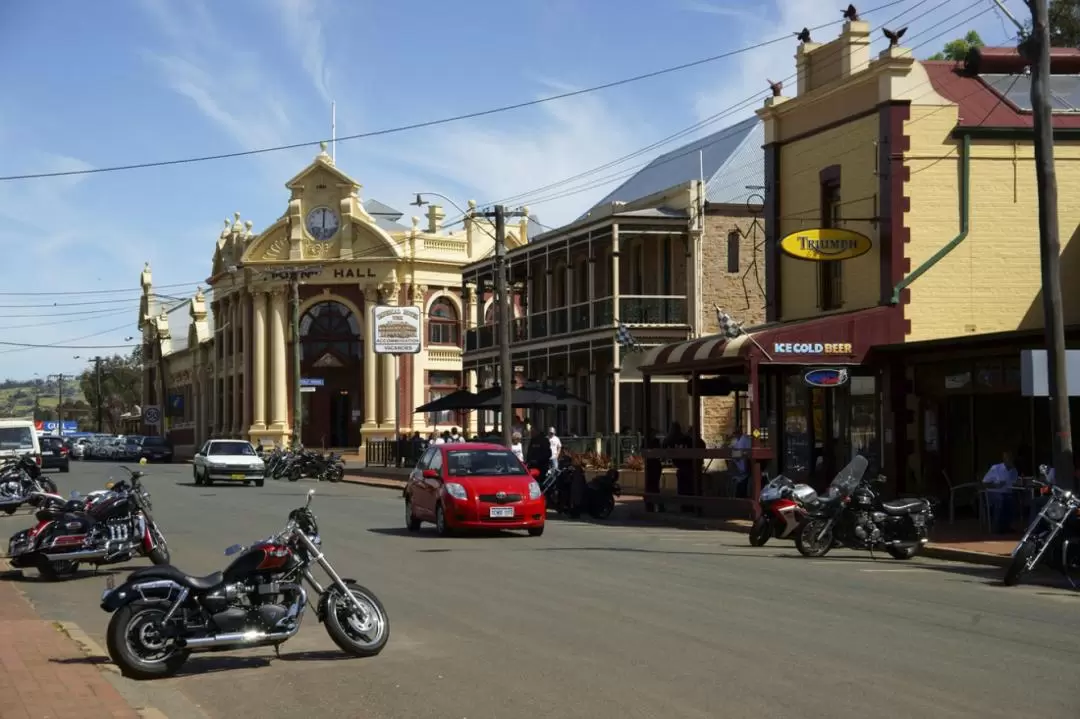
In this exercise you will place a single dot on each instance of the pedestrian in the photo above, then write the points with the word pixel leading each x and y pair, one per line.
pixel 515 446
pixel 740 466
pixel 1000 482
pixel 556 447
pixel 454 436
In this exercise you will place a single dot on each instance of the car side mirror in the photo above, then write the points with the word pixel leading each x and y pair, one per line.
pixel 534 473
pixel 430 474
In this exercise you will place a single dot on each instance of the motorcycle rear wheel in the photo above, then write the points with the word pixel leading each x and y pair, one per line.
pixel 1018 566
pixel 807 542
pixel 133 629
pixel 760 532
pixel 294 475
pixel 359 636
pixel 903 551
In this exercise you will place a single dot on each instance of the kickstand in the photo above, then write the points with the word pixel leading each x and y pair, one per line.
pixel 277 651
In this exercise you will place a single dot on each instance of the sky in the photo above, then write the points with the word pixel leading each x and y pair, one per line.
pixel 116 82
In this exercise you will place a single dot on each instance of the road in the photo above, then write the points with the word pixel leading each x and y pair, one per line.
pixel 601 621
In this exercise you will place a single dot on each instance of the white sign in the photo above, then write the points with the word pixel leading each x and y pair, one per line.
pixel 151 416
pixel 397 330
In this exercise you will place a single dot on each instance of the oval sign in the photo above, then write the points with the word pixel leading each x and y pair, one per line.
pixel 826 377
pixel 826 244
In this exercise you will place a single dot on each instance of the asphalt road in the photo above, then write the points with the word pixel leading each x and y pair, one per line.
pixel 601 621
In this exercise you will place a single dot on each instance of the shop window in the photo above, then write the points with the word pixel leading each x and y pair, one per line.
pixel 989 375
pixel 444 325
pixel 441 384
pixel 796 428
pixel 329 328
pixel 733 250
pixel 830 274
pixel 863 423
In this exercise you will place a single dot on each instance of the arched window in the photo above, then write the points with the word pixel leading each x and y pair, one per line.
pixel 330 328
pixel 444 325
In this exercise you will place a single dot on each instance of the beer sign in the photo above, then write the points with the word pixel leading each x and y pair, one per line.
pixel 825 245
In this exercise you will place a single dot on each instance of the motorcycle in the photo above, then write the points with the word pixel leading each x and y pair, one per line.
pixel 161 615
pixel 1053 533
pixel 600 494
pixel 783 508
pixel 20 483
pixel 853 515
pixel 106 528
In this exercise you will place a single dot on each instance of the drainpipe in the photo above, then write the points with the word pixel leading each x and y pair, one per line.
pixel 965 212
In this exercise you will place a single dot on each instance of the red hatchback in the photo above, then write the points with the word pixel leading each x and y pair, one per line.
pixel 473 486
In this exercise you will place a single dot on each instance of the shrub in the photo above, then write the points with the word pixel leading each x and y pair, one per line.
pixel 634 463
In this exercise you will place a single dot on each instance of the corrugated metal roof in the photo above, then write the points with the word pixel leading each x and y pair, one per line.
pixel 385 223
pixel 378 209
pixel 735 151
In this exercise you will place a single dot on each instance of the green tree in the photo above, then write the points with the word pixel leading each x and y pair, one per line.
pixel 956 50
pixel 121 386
pixel 1065 23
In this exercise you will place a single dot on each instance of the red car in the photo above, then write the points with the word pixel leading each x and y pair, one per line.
pixel 473 486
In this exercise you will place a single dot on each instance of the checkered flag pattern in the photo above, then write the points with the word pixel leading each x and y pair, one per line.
pixel 625 337
pixel 728 327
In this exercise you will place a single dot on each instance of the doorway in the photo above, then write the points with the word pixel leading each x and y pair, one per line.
pixel 340 414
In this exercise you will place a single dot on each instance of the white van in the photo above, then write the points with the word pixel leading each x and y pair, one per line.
pixel 18 437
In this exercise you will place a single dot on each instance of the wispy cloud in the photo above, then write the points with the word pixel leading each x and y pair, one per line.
pixel 711 8
pixel 301 21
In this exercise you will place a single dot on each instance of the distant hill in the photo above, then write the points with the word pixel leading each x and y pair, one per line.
pixel 38 399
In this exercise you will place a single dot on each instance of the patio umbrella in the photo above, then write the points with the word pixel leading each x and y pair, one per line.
pixel 533 396
pixel 461 399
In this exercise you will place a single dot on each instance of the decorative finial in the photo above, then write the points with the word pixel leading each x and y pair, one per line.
pixel 525 212
pixel 322 147
pixel 803 35
pixel 472 204
pixel 776 87
pixel 199 294
pixel 893 37
pixel 227 223
pixel 415 222
pixel 146 266
pixel 249 224
pixel 236 216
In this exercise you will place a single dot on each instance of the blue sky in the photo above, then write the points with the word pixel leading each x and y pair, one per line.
pixel 125 81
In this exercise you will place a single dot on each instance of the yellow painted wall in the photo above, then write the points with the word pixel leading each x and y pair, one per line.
pixel 990 282
pixel 852 146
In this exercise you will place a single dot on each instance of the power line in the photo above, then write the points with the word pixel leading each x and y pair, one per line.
pixel 420 125
pixel 82 303
pixel 113 313
pixel 72 293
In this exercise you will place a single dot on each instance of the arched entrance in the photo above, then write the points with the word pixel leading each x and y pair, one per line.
pixel 331 364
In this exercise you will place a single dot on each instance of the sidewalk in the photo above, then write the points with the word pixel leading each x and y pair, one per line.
pixel 961 542
pixel 44 674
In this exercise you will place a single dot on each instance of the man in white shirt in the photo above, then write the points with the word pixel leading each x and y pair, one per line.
pixel 999 482
pixel 556 446
pixel 740 467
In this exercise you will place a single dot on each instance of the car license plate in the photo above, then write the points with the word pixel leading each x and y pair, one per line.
pixel 238 476
pixel 47 454
pixel 501 512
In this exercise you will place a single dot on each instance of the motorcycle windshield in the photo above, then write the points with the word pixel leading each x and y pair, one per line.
pixel 848 478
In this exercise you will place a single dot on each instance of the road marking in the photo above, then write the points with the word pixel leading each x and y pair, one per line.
pixel 902 569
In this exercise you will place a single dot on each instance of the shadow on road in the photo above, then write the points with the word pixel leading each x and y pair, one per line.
pixel 1041 577
pixel 200 664
pixel 230 485
pixel 19 575
pixel 431 534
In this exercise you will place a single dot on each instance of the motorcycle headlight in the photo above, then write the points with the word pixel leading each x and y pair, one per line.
pixel 1055 511
pixel 534 490
pixel 456 490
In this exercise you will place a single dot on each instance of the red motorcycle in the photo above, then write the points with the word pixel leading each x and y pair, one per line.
pixel 783 507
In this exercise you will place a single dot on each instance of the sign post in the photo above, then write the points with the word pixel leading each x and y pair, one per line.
pixel 397 331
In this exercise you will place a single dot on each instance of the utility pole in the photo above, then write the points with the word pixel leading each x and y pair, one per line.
pixel 100 399
pixel 1036 46
pixel 60 404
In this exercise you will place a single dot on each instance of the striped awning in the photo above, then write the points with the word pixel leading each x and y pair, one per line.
pixel 712 350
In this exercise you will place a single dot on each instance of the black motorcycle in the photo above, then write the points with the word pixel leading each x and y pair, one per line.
pixel 853 515
pixel 104 529
pixel 600 494
pixel 161 614
pixel 1054 533
pixel 20 483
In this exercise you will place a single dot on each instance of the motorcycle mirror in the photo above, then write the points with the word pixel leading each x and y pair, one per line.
pixel 109 485
pixel 233 550
pixel 74 494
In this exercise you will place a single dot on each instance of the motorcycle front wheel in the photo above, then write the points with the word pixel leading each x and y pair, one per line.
pixel 160 553
pixel 602 508
pixel 294 474
pixel 136 644
pixel 361 632
pixel 760 532
pixel 1018 566
pixel 810 541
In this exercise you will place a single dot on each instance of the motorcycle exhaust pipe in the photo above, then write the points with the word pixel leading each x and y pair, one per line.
pixel 239 639
pixel 86 555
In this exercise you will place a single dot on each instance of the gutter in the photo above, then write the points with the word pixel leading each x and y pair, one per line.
pixel 965 218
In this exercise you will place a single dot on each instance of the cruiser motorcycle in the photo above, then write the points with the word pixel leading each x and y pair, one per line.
pixel 160 615
pixel 1054 533
pixel 106 528
pixel 21 482
pixel 853 515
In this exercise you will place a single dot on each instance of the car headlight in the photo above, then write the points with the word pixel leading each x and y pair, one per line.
pixel 534 490
pixel 455 490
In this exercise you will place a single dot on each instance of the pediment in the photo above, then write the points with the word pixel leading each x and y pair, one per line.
pixel 271 246
pixel 328 360
pixel 322 169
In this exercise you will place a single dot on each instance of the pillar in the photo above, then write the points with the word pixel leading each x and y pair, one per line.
pixel 238 430
pixel 419 363
pixel 386 365
pixel 370 385
pixel 225 426
pixel 471 308
pixel 258 361
pixel 214 396
pixel 470 384
pixel 279 386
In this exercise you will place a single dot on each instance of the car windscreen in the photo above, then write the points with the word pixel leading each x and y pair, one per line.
pixel 16 438
pixel 133 440
pixel 483 463
pixel 154 442
pixel 231 448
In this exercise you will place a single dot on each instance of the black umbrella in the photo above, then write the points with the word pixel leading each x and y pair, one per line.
pixel 533 395
pixel 462 399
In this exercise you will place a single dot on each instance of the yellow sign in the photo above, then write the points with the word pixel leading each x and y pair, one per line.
pixel 826 245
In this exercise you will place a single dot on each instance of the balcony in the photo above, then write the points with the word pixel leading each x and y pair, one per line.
pixel 599 314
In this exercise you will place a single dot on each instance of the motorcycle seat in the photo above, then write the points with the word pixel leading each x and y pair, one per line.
pixel 167 571
pixel 900 507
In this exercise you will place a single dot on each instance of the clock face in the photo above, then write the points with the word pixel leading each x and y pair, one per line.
pixel 322 223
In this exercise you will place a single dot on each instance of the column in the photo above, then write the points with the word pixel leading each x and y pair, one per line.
pixel 236 413
pixel 225 420
pixel 279 386
pixel 419 364
pixel 370 385
pixel 616 395
pixel 470 384
pixel 386 363
pixel 471 320
pixel 258 361
pixel 246 316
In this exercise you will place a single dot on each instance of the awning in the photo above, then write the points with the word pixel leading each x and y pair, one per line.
pixel 843 338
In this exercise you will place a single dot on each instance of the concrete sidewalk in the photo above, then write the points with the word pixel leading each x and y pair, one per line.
pixel 43 672
pixel 992 552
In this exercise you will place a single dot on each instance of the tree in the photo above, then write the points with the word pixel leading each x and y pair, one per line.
pixel 956 50
pixel 1065 23
pixel 121 386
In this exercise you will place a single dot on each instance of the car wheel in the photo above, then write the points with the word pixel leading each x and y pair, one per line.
pixel 441 525
pixel 66 467
pixel 536 531
pixel 411 522
pixel 196 476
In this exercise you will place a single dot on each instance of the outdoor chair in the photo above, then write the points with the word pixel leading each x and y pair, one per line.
pixel 979 497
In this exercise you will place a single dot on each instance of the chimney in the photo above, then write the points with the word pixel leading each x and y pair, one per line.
pixel 435 217
pixel 855 47
pixel 803 66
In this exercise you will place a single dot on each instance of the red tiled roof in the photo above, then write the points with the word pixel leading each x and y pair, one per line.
pixel 980 105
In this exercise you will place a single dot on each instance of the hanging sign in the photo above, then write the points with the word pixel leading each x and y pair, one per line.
pixel 397 330
pixel 812 348
pixel 826 377
pixel 825 245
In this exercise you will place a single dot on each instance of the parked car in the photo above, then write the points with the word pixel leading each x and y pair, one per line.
pixel 79 447
pixel 474 486
pixel 130 448
pixel 155 449
pixel 55 454
pixel 19 437
pixel 228 460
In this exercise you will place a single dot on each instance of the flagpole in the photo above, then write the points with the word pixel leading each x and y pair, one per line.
pixel 333 131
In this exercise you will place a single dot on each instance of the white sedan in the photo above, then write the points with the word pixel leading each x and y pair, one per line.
pixel 228 460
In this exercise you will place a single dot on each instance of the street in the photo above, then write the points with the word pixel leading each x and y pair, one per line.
pixel 598 621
